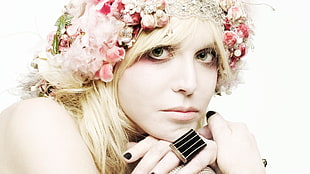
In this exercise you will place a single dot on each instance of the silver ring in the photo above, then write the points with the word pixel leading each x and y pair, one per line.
pixel 264 162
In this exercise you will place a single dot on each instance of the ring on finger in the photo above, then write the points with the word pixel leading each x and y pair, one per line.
pixel 187 146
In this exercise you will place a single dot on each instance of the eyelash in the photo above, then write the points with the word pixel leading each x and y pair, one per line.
pixel 167 52
pixel 208 52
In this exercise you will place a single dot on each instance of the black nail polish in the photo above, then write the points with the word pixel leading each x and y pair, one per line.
pixel 209 114
pixel 127 155
pixel 152 173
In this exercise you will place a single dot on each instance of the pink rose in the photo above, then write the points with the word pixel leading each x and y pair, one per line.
pixel 148 22
pixel 230 38
pixel 243 30
pixel 105 73
pixel 115 54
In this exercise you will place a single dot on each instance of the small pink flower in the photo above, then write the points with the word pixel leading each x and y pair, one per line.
pixel 104 8
pixel 115 54
pixel 233 62
pixel 136 18
pixel 148 22
pixel 120 6
pixel 74 28
pixel 161 18
pixel 161 4
pixel 50 37
pixel 227 24
pixel 64 42
pixel 243 30
pixel 235 13
pixel 96 1
pixel 230 38
pixel 133 19
pixel 105 73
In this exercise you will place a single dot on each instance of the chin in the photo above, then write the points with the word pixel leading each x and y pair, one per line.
pixel 171 134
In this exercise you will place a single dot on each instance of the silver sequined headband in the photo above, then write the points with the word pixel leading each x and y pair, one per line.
pixel 203 9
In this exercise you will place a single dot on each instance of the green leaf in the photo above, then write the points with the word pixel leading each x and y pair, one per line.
pixel 55 45
pixel 63 21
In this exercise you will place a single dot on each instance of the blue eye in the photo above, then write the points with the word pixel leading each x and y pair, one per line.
pixel 207 55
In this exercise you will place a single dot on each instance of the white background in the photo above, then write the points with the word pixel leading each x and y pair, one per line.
pixel 273 102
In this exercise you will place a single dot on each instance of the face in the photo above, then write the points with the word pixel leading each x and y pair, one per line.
pixel 167 91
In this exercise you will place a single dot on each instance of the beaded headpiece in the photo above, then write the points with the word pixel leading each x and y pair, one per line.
pixel 93 35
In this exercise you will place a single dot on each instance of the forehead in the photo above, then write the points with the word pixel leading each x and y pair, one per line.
pixel 177 31
pixel 199 35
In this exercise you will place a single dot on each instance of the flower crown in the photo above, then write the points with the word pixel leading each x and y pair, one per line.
pixel 93 35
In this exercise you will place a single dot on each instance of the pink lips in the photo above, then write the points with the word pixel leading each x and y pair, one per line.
pixel 182 113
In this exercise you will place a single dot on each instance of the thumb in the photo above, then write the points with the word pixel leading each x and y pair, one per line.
pixel 217 125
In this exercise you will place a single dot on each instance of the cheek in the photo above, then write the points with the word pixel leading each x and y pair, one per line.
pixel 207 78
pixel 207 82
pixel 135 90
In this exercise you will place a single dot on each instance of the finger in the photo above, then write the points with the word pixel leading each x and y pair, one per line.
pixel 167 163
pixel 152 157
pixel 131 144
pixel 219 127
pixel 204 158
pixel 139 149
pixel 205 132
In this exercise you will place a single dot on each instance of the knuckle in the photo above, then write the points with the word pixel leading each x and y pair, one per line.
pixel 150 139
pixel 211 146
pixel 159 148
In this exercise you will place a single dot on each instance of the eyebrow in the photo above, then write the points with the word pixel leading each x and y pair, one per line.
pixel 209 45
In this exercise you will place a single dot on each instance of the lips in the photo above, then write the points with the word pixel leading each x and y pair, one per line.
pixel 181 113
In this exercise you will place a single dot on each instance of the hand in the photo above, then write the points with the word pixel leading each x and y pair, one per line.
pixel 157 157
pixel 237 148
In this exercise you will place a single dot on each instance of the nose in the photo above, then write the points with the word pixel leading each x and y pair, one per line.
pixel 185 77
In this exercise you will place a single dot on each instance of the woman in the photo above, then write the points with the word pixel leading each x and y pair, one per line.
pixel 122 81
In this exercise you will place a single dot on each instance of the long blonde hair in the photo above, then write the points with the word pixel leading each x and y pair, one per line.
pixel 95 107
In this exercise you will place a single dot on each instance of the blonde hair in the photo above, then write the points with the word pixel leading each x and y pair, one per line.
pixel 95 107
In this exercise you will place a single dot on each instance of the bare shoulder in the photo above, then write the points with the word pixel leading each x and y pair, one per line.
pixel 39 136
pixel 32 108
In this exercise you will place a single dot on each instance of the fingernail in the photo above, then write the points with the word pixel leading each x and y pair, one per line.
pixel 209 114
pixel 127 155
pixel 152 173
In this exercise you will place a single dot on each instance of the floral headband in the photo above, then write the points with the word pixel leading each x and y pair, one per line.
pixel 93 35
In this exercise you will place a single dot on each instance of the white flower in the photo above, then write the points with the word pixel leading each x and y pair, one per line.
pixel 227 4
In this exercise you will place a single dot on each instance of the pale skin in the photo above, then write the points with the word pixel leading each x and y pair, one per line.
pixel 183 75
pixel 38 136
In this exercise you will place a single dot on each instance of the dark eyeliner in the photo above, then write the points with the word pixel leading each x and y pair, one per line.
pixel 149 54
pixel 207 52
